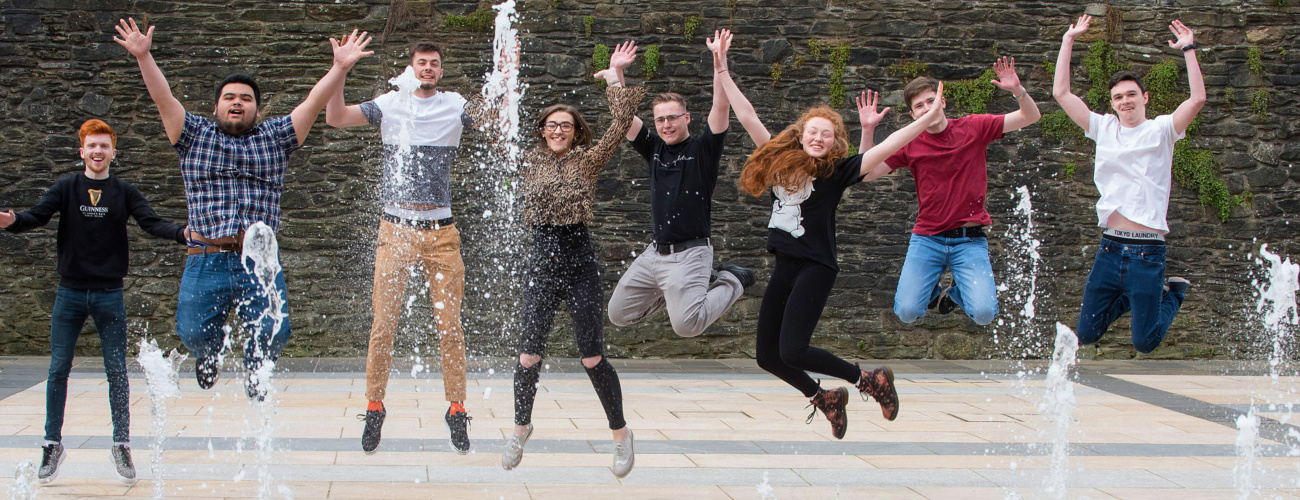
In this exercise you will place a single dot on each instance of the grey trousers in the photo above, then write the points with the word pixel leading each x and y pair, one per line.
pixel 679 282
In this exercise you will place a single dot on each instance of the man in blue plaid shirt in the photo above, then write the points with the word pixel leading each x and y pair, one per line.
pixel 233 169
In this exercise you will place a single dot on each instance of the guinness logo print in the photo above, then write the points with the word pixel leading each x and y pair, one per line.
pixel 94 196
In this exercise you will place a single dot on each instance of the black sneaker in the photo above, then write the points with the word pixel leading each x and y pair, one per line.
pixel 206 370
pixel 254 387
pixel 458 424
pixel 1178 285
pixel 374 423
pixel 744 274
pixel 121 455
pixel 943 304
pixel 51 456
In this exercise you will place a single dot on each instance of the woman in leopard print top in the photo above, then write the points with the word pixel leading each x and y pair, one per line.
pixel 559 180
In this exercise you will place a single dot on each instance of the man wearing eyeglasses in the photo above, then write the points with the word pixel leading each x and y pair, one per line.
pixel 674 271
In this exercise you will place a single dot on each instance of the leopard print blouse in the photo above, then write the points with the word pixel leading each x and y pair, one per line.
pixel 561 190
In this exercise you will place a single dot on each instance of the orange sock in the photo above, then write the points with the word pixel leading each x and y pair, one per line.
pixel 375 406
pixel 458 407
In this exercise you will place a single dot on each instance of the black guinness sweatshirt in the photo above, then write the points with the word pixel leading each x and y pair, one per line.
pixel 91 238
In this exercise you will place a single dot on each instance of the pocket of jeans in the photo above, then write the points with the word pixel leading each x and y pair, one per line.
pixel 1153 257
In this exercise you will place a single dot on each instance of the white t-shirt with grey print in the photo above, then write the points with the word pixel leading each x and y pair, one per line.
pixel 434 124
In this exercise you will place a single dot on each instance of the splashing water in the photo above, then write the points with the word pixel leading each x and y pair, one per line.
pixel 1057 406
pixel 262 259
pixel 1243 470
pixel 1277 304
pixel 1026 208
pixel 24 487
pixel 503 84
pixel 161 375
pixel 764 488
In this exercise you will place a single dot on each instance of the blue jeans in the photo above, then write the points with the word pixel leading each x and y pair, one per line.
pixel 1127 278
pixel 212 285
pixel 972 276
pixel 71 307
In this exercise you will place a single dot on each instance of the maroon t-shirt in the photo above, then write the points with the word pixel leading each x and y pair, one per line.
pixel 951 172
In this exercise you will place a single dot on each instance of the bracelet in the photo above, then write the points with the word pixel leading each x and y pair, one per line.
pixel 1190 46
pixel 1025 93
pixel 720 72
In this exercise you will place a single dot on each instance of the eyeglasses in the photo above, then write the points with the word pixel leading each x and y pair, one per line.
pixel 667 118
pixel 563 126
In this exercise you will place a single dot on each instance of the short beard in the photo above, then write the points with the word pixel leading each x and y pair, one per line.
pixel 233 127
pixel 428 85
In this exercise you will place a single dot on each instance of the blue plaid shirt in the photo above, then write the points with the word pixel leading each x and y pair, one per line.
pixel 233 181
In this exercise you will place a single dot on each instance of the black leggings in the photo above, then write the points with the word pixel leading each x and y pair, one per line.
pixel 792 305
pixel 562 267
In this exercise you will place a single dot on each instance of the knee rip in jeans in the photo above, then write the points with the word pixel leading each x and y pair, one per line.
pixel 592 361
pixel 529 360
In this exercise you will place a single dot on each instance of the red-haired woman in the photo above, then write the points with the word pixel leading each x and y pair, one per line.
pixel 559 181
pixel 806 168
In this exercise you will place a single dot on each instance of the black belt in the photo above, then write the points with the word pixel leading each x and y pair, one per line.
pixel 964 232
pixel 419 224
pixel 672 248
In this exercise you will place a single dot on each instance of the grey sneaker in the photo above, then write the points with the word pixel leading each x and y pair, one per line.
pixel 515 449
pixel 624 456
pixel 1177 285
pixel 122 461
pixel 51 456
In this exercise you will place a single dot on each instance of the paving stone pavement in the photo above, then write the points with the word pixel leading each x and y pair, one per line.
pixel 704 429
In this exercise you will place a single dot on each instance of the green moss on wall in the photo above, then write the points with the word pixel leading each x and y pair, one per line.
pixel 1101 63
pixel 970 96
pixel 839 63
pixel 600 60
pixel 651 62
pixel 479 21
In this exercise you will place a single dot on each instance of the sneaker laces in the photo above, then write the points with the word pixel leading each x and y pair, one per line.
pixel 812 402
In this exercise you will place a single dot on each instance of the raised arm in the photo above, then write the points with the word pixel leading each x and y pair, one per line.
pixel 1072 104
pixel 138 44
pixel 346 54
pixel 1009 81
pixel 622 57
pixel 720 114
pixel 877 154
pixel 744 110
pixel 339 114
pixel 869 119
pixel 1187 111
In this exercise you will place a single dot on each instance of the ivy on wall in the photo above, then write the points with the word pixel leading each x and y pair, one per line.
pixel 651 62
pixel 839 60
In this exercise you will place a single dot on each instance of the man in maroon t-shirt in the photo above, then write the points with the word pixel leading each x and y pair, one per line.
pixel 948 162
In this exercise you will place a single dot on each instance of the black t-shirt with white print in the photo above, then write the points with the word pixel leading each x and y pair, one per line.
pixel 682 178
pixel 803 222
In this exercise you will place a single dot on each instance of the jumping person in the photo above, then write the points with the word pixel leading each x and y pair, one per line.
pixel 949 164
pixel 673 272
pixel 233 170
pixel 92 251
pixel 1134 163
pixel 559 180
pixel 416 229
pixel 806 171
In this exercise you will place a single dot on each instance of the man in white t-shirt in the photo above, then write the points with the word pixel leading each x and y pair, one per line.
pixel 421 132
pixel 1134 164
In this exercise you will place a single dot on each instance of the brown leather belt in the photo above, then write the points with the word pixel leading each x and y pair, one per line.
pixel 204 250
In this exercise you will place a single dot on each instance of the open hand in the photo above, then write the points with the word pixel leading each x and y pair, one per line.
pixel 132 39
pixel 867 114
pixel 1182 32
pixel 623 56
pixel 720 42
pixel 7 218
pixel 1007 80
pixel 351 49
pixel 935 115
pixel 1078 28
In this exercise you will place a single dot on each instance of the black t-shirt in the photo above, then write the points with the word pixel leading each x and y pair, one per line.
pixel 803 222
pixel 91 240
pixel 682 177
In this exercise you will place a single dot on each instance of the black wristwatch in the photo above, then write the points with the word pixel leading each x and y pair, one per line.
pixel 1190 46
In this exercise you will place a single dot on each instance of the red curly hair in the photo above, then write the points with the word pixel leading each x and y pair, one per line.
pixel 782 161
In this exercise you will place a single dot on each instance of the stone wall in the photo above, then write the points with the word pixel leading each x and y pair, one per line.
pixel 59 66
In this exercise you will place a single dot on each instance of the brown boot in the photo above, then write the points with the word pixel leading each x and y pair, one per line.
pixel 832 404
pixel 879 384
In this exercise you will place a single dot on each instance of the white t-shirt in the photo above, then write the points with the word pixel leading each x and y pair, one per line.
pixel 422 172
pixel 1134 168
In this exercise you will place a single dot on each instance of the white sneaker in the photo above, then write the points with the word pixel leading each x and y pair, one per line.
pixel 514 451
pixel 624 456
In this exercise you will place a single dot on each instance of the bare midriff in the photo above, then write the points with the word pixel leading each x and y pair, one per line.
pixel 418 206
pixel 1119 221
